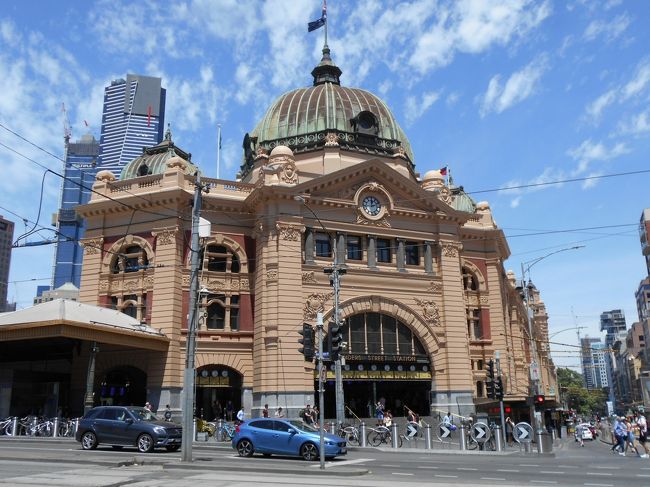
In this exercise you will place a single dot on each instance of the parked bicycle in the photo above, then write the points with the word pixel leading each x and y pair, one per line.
pixel 381 435
pixel 224 432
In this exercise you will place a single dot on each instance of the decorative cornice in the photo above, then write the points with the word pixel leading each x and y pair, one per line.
pixel 451 249
pixel 166 236
pixel 288 232
pixel 435 287
pixel 430 311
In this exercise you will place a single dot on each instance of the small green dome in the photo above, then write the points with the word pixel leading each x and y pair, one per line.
pixel 154 159
pixel 301 118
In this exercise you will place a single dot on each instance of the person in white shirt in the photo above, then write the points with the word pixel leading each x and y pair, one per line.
pixel 241 415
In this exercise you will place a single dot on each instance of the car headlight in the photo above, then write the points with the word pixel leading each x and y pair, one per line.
pixel 160 430
pixel 328 442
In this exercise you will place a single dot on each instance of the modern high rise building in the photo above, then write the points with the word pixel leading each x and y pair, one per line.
pixel 644 230
pixel 6 239
pixel 594 364
pixel 612 323
pixel 133 118
pixel 79 171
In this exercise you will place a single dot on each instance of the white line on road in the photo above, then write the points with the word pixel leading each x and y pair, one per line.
pixel 642 475
pixel 528 465
pixel 543 482
pixel 345 462
pixel 396 466
pixel 610 468
pixel 469 469
pixel 551 472
pixel 425 466
pixel 566 466
pixel 600 485
pixel 446 476
pixel 507 470
pixel 491 478
pixel 604 474
pixel 400 473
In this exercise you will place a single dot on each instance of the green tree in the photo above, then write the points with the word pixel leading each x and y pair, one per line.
pixel 576 396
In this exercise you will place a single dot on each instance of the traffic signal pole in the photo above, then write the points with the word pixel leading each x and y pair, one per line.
pixel 497 355
pixel 321 403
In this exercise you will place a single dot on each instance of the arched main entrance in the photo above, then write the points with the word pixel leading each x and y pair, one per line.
pixel 123 386
pixel 384 361
pixel 218 392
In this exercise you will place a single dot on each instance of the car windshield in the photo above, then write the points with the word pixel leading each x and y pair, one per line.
pixel 144 414
pixel 301 426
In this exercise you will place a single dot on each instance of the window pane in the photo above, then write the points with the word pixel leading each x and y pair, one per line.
pixel 216 317
pixel 323 245
pixel 234 318
pixel 383 250
pixel 355 251
pixel 357 334
pixel 404 339
pixel 412 253
pixel 131 311
pixel 234 266
pixel 419 349
pixel 389 332
pixel 373 332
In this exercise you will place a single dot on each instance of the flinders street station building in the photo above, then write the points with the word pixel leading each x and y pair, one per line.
pixel 327 177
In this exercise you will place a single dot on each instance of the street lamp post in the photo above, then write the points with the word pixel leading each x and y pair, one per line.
pixel 527 288
pixel 335 273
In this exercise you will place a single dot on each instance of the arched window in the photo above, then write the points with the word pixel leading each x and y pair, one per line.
pixel 133 258
pixel 222 309
pixel 134 305
pixel 470 282
pixel 219 258
pixel 376 333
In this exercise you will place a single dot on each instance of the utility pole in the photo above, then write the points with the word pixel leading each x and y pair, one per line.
pixel 321 404
pixel 499 393
pixel 188 379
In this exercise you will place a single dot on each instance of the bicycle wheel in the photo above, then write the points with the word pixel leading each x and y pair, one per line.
pixel 471 443
pixel 399 441
pixel 351 435
pixel 490 445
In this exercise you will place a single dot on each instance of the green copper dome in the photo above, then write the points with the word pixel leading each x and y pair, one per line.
pixel 301 118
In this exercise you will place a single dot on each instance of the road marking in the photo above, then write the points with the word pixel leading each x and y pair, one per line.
pixel 490 478
pixel 566 466
pixel 344 462
pixel 642 475
pixel 528 465
pixel 467 469
pixel 551 472
pixel 605 474
pixel 610 468
pixel 601 485
pixel 434 468
pixel 397 466
pixel 543 482
pixel 506 470
pixel 446 476
pixel 400 473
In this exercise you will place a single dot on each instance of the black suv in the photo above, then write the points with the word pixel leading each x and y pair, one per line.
pixel 120 426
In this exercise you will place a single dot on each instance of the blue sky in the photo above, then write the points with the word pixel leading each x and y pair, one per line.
pixel 505 93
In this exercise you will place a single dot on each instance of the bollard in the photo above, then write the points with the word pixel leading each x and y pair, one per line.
pixel 498 438
pixel 194 430
pixel 332 429
pixel 362 434
pixel 427 437
pixel 55 434
pixel 75 426
pixel 14 426
pixel 393 435
pixel 544 442
pixel 463 438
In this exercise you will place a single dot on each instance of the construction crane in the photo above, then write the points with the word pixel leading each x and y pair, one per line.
pixel 67 131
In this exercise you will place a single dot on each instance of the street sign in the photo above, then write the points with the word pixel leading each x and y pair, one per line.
pixel 480 432
pixel 445 430
pixel 534 371
pixel 523 432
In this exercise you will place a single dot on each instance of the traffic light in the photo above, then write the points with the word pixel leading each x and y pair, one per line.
pixel 335 340
pixel 307 341
pixel 489 381
pixel 498 388
pixel 539 399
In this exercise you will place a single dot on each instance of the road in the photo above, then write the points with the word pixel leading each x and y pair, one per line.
pixel 32 462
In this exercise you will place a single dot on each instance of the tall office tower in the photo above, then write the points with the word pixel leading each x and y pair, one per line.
pixel 612 323
pixel 594 364
pixel 79 171
pixel 133 118
pixel 644 230
pixel 6 239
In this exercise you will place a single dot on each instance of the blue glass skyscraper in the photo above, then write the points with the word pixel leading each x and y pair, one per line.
pixel 79 171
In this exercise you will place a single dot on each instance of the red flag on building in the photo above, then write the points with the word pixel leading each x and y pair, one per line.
pixel 443 171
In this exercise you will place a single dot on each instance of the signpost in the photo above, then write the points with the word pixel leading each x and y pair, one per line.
pixel 523 433
pixel 444 431
pixel 480 432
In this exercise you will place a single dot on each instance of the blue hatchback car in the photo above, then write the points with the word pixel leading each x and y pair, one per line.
pixel 284 437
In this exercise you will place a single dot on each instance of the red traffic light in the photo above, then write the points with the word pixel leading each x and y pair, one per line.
pixel 539 399
pixel 507 409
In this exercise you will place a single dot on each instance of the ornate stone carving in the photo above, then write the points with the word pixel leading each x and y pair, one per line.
pixel 186 280
pixel 272 275
pixel 288 232
pixel 435 287
pixel 444 195
pixel 430 311
pixel 484 299
pixel 382 222
pixel 315 303
pixel 332 140
pixel 261 153
pixel 165 237
pixel 245 284
pixel 103 285
pixel 289 174
pixel 148 281
pixel 309 277
pixel 450 249
pixel 400 152
pixel 92 245
pixel 131 284
pixel 216 284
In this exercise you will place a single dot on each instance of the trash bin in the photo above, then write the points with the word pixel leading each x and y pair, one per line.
pixel 570 427
pixel 544 442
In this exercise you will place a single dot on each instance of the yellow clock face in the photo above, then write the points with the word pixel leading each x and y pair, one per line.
pixel 371 205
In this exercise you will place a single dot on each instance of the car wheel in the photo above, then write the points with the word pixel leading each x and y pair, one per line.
pixel 117 447
pixel 309 452
pixel 145 443
pixel 88 440
pixel 173 447
pixel 245 448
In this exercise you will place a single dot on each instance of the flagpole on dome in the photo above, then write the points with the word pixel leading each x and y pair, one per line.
pixel 218 148
pixel 325 19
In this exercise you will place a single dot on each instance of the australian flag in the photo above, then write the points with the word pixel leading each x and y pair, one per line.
pixel 317 24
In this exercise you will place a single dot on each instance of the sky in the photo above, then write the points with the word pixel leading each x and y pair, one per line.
pixel 505 93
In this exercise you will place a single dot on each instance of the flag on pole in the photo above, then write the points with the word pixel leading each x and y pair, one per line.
pixel 443 171
pixel 317 24
pixel 219 138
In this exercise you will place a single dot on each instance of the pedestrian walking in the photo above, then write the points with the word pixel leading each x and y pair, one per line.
pixel 643 434
pixel 265 411
pixel 241 415
pixel 279 413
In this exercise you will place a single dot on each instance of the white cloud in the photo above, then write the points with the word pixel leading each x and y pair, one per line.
pixel 596 107
pixel 588 152
pixel 518 87
pixel 417 106
pixel 637 125
pixel 452 98
pixel 639 82
pixel 609 29
pixel 536 183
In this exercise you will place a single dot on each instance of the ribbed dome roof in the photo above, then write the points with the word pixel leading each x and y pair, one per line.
pixel 301 118
pixel 154 159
